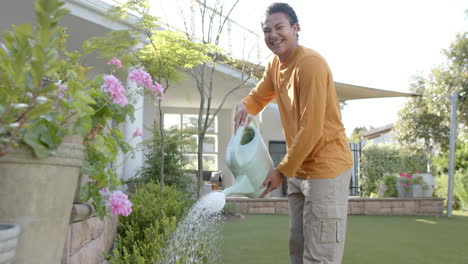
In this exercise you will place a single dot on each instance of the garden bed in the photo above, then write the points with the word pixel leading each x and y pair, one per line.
pixel 356 206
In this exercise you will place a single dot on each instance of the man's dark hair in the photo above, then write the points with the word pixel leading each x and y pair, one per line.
pixel 284 8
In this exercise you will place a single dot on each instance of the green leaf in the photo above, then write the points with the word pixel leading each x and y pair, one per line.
pixel 32 138
pixel 82 126
pixel 25 30
pixel 39 110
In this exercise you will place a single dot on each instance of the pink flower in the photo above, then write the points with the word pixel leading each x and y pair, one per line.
pixel 114 89
pixel 406 175
pixel 404 184
pixel 433 186
pixel 61 88
pixel 116 62
pixel 119 204
pixel 104 189
pixel 157 90
pixel 141 77
pixel 416 171
pixel 137 133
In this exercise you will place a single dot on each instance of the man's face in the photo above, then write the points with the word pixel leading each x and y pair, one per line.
pixel 280 36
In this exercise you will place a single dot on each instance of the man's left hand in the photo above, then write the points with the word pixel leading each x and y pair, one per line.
pixel 272 181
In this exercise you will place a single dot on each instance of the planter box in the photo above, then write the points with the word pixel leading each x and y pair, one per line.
pixel 416 190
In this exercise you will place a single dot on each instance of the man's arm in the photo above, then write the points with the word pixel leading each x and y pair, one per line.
pixel 258 98
pixel 313 82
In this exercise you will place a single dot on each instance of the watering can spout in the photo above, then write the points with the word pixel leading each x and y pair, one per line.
pixel 242 186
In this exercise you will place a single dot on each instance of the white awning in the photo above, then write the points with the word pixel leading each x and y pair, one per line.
pixel 347 92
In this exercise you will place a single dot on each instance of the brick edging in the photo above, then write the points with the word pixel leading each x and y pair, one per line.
pixel 356 206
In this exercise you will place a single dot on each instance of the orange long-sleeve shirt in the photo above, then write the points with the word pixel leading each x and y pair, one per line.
pixel 303 86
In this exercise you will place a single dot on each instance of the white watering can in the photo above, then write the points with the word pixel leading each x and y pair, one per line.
pixel 249 163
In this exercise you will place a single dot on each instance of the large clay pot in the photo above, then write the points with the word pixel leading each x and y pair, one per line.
pixel 38 195
pixel 8 239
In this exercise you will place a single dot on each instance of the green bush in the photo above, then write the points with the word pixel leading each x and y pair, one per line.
pixel 175 147
pixel 460 189
pixel 378 160
pixel 461 156
pixel 147 229
pixel 388 186
pixel 229 209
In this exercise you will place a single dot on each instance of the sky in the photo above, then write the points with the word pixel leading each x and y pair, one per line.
pixel 371 43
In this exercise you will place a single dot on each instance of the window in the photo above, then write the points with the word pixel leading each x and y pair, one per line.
pixel 210 144
pixel 172 121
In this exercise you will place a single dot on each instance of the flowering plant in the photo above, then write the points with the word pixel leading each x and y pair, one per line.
pixel 406 180
pixel 45 95
pixel 36 109
pixel 105 140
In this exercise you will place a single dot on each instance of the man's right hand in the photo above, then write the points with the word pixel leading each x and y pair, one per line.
pixel 241 116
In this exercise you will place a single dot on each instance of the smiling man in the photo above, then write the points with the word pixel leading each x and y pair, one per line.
pixel 318 159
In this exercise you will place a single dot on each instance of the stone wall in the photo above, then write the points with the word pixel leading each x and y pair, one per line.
pixel 88 236
pixel 356 206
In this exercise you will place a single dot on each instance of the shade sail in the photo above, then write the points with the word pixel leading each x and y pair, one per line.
pixel 352 92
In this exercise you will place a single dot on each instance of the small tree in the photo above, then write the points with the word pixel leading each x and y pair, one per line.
pixel 451 76
pixel 356 135
pixel 174 159
pixel 213 23
pixel 419 128
pixel 164 56
pixel 425 120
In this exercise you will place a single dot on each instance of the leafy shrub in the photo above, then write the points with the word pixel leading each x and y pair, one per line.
pixel 460 188
pixel 378 160
pixel 461 156
pixel 229 209
pixel 152 222
pixel 176 144
pixel 388 186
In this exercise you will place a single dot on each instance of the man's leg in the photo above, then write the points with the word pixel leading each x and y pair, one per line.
pixel 296 208
pixel 325 211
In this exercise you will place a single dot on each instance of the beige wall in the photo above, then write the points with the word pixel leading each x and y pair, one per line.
pixel 270 124
pixel 225 131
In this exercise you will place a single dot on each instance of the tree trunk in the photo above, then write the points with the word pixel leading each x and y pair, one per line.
pixel 162 147
pixel 200 170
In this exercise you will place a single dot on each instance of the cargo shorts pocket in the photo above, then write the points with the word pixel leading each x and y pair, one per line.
pixel 329 231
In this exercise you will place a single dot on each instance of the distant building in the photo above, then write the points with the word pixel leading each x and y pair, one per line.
pixel 379 135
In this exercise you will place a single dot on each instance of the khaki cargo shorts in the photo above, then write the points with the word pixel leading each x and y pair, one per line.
pixel 317 214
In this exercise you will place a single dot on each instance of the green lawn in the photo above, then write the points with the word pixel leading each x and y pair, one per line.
pixel 370 239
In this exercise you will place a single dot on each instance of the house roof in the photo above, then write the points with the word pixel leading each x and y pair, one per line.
pixel 375 132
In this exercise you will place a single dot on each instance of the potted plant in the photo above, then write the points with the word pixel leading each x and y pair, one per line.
pixel 42 124
pixel 54 126
pixel 412 186
pixel 50 117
